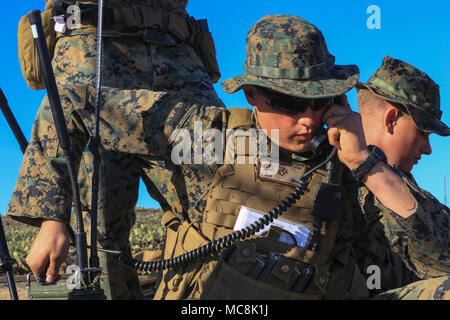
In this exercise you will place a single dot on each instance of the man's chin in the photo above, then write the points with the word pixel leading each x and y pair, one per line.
pixel 296 147
pixel 406 168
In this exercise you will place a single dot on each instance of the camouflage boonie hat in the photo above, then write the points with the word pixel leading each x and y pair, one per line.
pixel 289 55
pixel 399 82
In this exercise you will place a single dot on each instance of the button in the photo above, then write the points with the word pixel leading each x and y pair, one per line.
pixel 247 253
pixel 285 268
pixel 175 282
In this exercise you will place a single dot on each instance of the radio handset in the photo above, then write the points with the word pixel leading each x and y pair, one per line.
pixel 319 143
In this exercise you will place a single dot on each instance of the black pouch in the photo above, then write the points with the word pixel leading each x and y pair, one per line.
pixel 244 273
pixel 327 201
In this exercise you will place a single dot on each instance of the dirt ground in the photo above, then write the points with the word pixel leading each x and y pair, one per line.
pixel 21 291
pixel 147 283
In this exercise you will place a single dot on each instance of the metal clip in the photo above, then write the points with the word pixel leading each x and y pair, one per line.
pixel 60 24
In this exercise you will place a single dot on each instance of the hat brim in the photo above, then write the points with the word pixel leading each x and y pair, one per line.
pixel 341 80
pixel 426 123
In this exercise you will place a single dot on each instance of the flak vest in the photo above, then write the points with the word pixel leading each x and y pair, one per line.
pixel 261 267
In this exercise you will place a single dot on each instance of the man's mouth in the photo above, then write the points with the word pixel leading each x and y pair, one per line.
pixel 303 137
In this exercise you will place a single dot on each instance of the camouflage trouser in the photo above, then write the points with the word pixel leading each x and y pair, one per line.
pixel 430 289
pixel 42 189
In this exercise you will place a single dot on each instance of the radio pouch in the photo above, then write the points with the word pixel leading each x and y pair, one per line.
pixel 327 201
pixel 29 61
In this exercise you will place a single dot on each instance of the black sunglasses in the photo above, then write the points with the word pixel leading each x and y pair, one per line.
pixel 292 105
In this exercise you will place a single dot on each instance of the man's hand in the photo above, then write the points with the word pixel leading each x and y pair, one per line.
pixel 345 132
pixel 49 250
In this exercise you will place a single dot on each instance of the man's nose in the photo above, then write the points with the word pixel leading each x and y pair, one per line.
pixel 309 118
pixel 426 147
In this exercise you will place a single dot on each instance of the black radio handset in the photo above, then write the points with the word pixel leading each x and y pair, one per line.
pixel 319 143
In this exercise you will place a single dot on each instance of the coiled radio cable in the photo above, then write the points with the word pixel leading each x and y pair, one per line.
pixel 227 241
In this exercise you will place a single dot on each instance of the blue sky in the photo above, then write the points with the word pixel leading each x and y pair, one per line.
pixel 414 31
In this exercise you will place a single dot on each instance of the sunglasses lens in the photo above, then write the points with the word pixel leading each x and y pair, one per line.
pixel 318 104
pixel 295 106
pixel 292 105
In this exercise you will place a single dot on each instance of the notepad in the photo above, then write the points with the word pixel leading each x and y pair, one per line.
pixel 292 232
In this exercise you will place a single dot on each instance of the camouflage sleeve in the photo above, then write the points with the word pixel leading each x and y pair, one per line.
pixel 43 187
pixel 422 239
pixel 138 124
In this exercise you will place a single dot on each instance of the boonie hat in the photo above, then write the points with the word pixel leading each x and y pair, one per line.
pixel 289 55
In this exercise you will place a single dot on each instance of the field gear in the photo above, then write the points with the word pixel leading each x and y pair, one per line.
pixel 260 267
pixel 263 267
pixel 28 57
pixel 153 24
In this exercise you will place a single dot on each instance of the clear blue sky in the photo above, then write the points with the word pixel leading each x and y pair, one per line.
pixel 415 31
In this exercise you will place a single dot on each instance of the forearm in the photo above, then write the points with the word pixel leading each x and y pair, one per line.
pixel 390 190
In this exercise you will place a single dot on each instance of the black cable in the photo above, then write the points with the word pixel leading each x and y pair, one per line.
pixel 94 142
pixel 6 263
pixel 18 133
pixel 216 246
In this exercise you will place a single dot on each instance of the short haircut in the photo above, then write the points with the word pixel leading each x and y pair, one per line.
pixel 369 103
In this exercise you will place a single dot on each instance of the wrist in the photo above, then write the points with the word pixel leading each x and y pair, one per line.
pixel 375 156
pixel 358 159
pixel 53 224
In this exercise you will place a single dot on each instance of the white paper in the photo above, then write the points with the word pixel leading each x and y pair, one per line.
pixel 299 231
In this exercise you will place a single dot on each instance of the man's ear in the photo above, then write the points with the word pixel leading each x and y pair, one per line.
pixel 251 94
pixel 391 116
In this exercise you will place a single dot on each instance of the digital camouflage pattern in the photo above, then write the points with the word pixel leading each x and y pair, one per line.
pixel 408 251
pixel 289 55
pixel 371 245
pixel 431 289
pixel 399 82
pixel 422 240
pixel 425 250
pixel 42 189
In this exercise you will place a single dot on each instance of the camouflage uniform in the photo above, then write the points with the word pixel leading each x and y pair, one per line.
pixel 286 54
pixel 421 240
pixel 148 59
